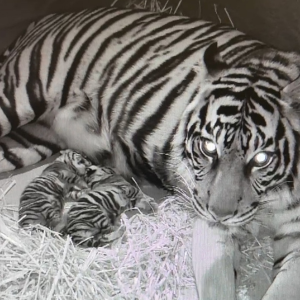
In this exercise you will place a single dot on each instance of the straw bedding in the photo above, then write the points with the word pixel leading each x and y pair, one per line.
pixel 151 261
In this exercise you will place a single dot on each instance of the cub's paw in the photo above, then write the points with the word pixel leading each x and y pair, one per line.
pixel 81 184
pixel 59 225
pixel 75 195
pixel 147 204
pixel 112 236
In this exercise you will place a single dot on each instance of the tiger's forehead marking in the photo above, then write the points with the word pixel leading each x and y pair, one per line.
pixel 241 118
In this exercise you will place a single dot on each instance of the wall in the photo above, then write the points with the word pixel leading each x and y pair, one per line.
pixel 273 21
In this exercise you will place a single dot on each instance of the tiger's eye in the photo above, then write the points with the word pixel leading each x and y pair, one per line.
pixel 262 159
pixel 208 148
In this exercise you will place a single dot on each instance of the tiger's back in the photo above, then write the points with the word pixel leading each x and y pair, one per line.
pixel 128 60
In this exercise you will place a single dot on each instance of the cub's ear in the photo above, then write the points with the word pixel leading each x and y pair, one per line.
pixel 213 61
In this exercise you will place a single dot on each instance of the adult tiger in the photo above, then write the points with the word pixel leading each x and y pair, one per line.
pixel 163 97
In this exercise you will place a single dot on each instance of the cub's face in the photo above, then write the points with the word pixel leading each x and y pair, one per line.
pixel 75 160
pixel 240 142
pixel 96 174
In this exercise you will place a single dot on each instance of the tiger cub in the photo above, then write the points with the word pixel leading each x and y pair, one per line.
pixel 94 220
pixel 43 199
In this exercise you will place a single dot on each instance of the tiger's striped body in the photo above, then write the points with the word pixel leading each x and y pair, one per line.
pixel 113 55
pixel 175 101
pixel 43 199
pixel 94 219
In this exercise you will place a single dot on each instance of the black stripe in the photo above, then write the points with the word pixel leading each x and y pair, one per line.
pixel 186 33
pixel 105 45
pixel 10 112
pixel 245 53
pixel 202 115
pixel 141 103
pixel 116 94
pixel 134 167
pixel 281 60
pixel 11 157
pixel 139 53
pixel 279 260
pixel 16 71
pixel 57 46
pixel 264 103
pixel 154 120
pixel 258 119
pixel 228 110
pixel 231 82
pixel 85 28
pixel 161 72
pixel 34 85
pixel 234 41
pixel 296 155
pixel 38 141
pixel 80 53
pixel 14 136
pixel 291 235
pixel 87 14
pixel 239 52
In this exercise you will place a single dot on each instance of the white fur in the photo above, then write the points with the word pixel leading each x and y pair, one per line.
pixel 80 131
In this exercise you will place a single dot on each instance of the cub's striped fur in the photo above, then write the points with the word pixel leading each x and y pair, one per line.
pixel 176 101
pixel 94 219
pixel 43 199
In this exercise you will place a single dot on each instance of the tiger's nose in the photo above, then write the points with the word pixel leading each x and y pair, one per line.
pixel 220 214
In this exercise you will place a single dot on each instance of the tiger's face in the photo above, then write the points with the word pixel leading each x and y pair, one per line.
pixel 240 142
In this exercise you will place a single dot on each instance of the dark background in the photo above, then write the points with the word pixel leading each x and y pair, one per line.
pixel 275 22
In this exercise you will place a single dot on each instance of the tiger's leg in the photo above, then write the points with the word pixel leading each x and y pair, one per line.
pixel 286 270
pixel 286 283
pixel 284 222
pixel 27 145
pixel 23 143
pixel 214 262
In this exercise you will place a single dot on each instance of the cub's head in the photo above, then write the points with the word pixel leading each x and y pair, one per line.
pixel 239 140
pixel 78 162
pixel 95 174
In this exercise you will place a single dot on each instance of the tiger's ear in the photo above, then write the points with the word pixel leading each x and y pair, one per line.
pixel 213 61
pixel 291 93
pixel 290 96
